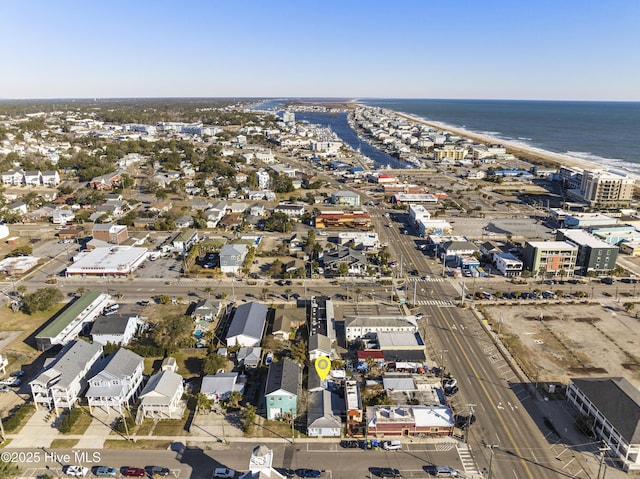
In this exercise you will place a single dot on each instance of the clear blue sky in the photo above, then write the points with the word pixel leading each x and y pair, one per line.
pixel 502 49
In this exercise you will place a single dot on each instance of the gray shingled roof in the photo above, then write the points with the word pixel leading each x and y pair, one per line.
pixel 618 400
pixel 249 320
pixel 285 375
pixel 319 342
pixel 68 364
pixel 119 365
pixel 320 412
pixel 164 385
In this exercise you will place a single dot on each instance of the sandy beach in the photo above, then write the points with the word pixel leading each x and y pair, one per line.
pixel 535 155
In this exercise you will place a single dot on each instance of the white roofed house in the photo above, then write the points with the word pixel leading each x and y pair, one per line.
pixel 60 216
pixel 64 378
pixel 218 387
pixel 118 383
pixel 216 213
pixel 206 310
pixel 161 397
pixel 248 324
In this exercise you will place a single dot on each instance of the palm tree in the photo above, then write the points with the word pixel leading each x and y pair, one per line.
pixel 265 291
pixel 208 290
pixel 288 291
pixel 358 292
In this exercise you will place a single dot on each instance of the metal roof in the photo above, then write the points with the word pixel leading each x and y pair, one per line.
pixel 70 313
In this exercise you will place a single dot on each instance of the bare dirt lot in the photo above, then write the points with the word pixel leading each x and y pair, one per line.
pixel 555 342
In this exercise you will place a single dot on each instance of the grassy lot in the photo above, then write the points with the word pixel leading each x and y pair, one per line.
pixel 83 422
pixel 26 324
pixel 189 362
pixel 143 429
pixel 63 443
pixel 142 444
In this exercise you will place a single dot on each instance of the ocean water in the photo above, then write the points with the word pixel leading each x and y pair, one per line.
pixel 606 133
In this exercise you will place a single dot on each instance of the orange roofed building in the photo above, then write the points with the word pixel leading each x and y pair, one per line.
pixel 340 220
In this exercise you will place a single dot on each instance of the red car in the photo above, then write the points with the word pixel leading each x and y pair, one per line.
pixel 133 472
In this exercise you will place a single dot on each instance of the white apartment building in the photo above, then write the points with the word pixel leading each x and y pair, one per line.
pixel 264 180
pixel 607 189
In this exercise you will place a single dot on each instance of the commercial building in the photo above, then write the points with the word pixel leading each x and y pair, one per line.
pixel 588 220
pixel 612 407
pixel 114 234
pixel 367 327
pixel 508 264
pixel 593 254
pixel 409 421
pixel 414 198
pixel 336 220
pixel 66 326
pixel 550 257
pixel 345 197
pixel 116 260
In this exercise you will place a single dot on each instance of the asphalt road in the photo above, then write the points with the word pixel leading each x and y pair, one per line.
pixel 196 463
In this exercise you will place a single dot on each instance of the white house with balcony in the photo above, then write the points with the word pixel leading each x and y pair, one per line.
pixel 64 378
pixel 118 383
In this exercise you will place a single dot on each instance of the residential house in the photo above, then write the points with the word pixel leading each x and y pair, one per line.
pixel 161 397
pixel 281 392
pixel 18 207
pixel 286 320
pixel 117 329
pixel 14 177
pixel 106 182
pixel 33 178
pixel 232 257
pixel 64 378
pixel 247 325
pixel 323 417
pixel 355 260
pixel 260 465
pixel 293 210
pixel 62 217
pixel 218 387
pixel 118 383
pixel 206 310
pixel 216 213
pixel 319 345
pixel 508 264
pixel 353 408
pixel 249 357
pixel 185 240
pixel 611 407
pixel 184 221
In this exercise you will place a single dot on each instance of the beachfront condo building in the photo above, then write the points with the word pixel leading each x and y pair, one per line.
pixel 607 189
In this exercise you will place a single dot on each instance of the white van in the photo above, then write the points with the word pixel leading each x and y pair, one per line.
pixel 392 445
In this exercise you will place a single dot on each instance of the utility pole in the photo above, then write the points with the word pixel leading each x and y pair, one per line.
pixel 469 419
pixel 442 362
pixel 602 450
pixel 491 448
pixel 462 294
pixel 415 286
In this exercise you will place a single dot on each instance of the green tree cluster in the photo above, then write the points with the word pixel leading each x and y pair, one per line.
pixel 173 332
pixel 41 299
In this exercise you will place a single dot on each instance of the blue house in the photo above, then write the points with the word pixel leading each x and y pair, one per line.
pixel 281 392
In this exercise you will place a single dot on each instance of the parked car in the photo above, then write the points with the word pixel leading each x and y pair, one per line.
pixel 75 471
pixel 385 472
pixel 286 472
pixel 308 473
pixel 156 471
pixel 104 471
pixel 464 421
pixel 391 445
pixel 349 444
pixel 17 374
pixel 224 473
pixel 451 391
pixel 4 388
pixel 441 471
pixel 133 472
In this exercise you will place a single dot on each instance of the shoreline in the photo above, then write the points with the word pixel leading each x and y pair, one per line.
pixel 532 154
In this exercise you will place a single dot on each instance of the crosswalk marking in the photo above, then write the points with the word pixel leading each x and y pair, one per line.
pixel 468 463
pixel 436 302
pixel 428 280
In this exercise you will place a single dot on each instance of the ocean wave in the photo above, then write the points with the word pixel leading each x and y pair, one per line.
pixel 604 162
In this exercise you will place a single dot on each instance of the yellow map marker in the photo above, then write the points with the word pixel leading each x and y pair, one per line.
pixel 323 366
